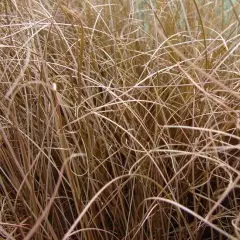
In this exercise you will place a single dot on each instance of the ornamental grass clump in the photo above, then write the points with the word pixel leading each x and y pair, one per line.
pixel 119 120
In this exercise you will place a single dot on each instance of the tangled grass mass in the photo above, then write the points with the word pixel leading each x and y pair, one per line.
pixel 119 119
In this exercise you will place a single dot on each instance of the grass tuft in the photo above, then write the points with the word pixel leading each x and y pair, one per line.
pixel 119 120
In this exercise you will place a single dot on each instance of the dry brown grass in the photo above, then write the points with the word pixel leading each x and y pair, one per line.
pixel 114 129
